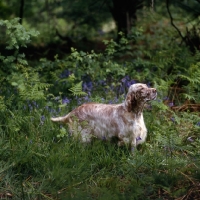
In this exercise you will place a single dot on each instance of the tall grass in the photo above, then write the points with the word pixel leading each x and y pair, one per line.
pixel 37 164
pixel 39 160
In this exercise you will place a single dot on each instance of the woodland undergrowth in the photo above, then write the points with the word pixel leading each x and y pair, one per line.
pixel 39 160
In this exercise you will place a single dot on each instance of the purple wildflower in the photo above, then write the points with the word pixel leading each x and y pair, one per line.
pixel 102 99
pixel 172 119
pixel 166 98
pixel 86 98
pixel 149 84
pixel 138 139
pixel 190 139
pixel 129 83
pixel 87 86
pixel 198 123
pixel 102 82
pixel 171 104
pixel 57 98
pixel 122 90
pixel 35 104
pixel 149 106
pixel 65 73
pixel 103 138
pixel 30 106
pixel 116 100
pixel 110 102
pixel 42 118
pixel 65 100
pixel 125 79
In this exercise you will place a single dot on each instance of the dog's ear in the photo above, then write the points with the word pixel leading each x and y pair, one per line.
pixel 130 101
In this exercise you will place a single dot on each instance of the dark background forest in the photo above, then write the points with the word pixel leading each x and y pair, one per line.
pixel 84 24
pixel 58 54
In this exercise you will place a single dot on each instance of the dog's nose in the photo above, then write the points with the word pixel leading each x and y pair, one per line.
pixel 154 90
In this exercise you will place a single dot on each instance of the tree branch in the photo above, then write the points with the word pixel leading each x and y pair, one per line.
pixel 172 21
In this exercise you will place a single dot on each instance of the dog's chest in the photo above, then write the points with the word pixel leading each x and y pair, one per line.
pixel 139 129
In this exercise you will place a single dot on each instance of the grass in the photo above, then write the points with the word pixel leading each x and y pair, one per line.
pixel 38 160
pixel 36 164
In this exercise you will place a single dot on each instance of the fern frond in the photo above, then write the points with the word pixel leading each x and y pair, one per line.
pixel 77 89
pixel 2 103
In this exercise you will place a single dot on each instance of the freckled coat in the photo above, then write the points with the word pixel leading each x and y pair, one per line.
pixel 104 121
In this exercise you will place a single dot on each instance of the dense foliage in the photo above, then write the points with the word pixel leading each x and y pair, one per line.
pixel 40 161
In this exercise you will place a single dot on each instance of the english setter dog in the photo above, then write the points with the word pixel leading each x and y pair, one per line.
pixel 104 121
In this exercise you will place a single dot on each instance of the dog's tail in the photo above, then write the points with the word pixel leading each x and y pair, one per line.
pixel 60 119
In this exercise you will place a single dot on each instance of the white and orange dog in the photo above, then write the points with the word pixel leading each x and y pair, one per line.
pixel 104 121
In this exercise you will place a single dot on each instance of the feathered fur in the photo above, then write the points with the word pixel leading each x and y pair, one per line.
pixel 104 121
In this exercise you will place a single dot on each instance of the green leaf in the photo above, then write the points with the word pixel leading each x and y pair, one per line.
pixel 77 89
pixel 14 84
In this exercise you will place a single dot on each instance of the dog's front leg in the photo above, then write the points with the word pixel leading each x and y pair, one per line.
pixel 133 145
pixel 123 140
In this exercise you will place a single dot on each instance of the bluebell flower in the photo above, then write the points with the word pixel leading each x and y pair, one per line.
pixel 190 139
pixel 171 104
pixel 166 98
pixel 172 119
pixel 116 100
pixel 34 103
pixel 103 138
pixel 149 84
pixel 58 110
pixel 30 106
pixel 86 98
pixel 65 100
pixel 65 73
pixel 110 102
pixel 102 82
pixel 42 118
pixel 122 90
pixel 138 139
pixel 79 101
pixel 129 83
pixel 149 106
pixel 87 86
pixel 57 98
pixel 53 110
pixel 48 108
pixel 102 99
pixel 198 123
pixel 125 79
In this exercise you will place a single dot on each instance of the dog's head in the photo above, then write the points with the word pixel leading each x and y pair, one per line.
pixel 138 95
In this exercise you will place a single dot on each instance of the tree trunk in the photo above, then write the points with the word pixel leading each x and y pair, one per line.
pixel 124 14
pixel 21 11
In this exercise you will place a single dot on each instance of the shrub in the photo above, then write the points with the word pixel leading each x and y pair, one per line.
pixel 39 160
